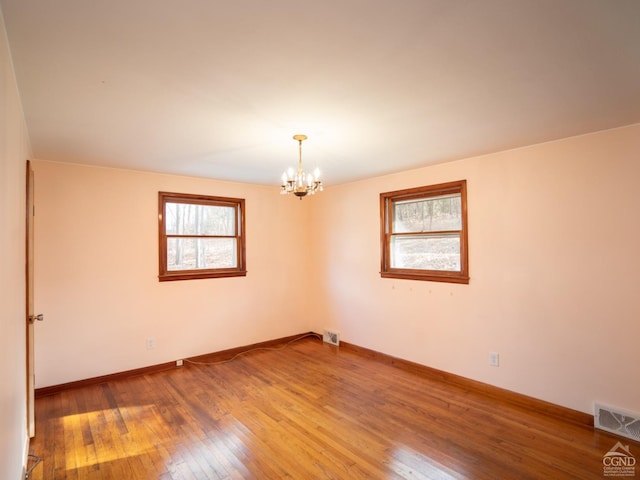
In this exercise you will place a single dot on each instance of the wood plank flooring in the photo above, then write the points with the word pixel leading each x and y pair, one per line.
pixel 307 411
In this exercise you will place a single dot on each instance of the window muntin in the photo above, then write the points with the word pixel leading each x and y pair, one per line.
pixel 424 233
pixel 200 236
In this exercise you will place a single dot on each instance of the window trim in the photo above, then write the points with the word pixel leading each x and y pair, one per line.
pixel 195 199
pixel 387 199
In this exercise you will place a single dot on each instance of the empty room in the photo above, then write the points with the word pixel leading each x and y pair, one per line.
pixel 319 240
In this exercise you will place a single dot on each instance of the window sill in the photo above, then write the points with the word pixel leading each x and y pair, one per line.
pixel 428 277
pixel 195 276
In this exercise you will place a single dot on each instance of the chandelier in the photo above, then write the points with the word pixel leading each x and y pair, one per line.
pixel 299 183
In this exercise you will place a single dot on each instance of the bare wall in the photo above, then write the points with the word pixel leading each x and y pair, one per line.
pixel 554 261
pixel 97 267
pixel 14 151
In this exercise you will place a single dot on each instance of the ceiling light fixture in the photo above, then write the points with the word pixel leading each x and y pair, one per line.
pixel 299 183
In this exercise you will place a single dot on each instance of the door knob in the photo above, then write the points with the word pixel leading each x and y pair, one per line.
pixel 33 318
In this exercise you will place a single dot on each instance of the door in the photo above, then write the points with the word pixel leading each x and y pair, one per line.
pixel 31 317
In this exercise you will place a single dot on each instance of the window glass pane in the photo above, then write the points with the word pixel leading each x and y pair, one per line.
pixel 430 214
pixel 201 253
pixel 194 219
pixel 426 252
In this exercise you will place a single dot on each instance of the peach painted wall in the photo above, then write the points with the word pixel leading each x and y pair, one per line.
pixel 552 260
pixel 97 266
pixel 14 151
pixel 554 266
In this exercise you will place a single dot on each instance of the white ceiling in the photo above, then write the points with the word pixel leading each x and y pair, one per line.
pixel 217 88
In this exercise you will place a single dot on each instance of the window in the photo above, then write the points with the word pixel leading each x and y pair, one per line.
pixel 424 233
pixel 200 236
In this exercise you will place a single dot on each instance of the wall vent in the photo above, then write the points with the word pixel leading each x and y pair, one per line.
pixel 617 421
pixel 329 336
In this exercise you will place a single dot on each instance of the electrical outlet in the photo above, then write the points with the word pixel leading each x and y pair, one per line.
pixel 494 359
pixel 179 363
pixel 151 343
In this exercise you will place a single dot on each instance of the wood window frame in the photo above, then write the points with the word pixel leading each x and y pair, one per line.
pixel 387 201
pixel 240 235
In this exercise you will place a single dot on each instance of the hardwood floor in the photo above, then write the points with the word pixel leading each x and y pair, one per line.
pixel 307 411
